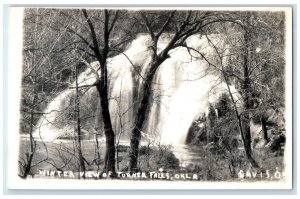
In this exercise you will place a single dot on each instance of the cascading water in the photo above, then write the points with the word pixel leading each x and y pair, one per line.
pixel 183 88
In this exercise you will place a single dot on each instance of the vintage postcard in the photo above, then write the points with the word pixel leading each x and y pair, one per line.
pixel 150 98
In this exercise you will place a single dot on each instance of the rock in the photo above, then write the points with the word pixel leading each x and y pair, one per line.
pixel 276 142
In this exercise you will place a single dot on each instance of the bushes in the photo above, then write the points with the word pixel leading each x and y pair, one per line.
pixel 166 158
pixel 154 157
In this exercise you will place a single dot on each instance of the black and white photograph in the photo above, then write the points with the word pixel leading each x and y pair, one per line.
pixel 163 97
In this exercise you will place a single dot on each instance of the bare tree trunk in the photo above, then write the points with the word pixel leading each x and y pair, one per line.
pixel 102 84
pixel 264 129
pixel 102 87
pixel 246 138
pixel 247 97
pixel 28 166
pixel 29 156
pixel 97 161
pixel 243 122
pixel 77 110
pixel 108 130
pixel 140 116
pixel 139 120
pixel 211 120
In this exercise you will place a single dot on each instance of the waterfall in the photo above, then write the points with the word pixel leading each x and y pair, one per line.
pixel 183 88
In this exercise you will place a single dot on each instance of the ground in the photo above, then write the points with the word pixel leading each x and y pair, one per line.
pixel 209 164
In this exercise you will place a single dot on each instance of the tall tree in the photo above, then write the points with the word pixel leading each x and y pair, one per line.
pixel 101 54
pixel 249 35
pixel 183 24
pixel 101 42
pixel 255 52
pixel 78 123
pixel 89 35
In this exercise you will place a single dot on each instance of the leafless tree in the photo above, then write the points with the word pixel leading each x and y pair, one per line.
pixel 185 23
pixel 247 34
